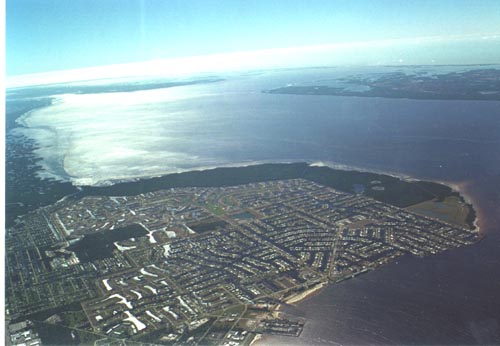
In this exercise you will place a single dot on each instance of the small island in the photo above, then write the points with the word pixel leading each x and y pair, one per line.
pixel 207 257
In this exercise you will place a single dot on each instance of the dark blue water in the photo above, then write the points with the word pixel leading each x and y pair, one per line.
pixel 451 298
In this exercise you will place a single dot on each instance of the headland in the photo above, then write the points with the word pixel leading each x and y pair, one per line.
pixel 208 256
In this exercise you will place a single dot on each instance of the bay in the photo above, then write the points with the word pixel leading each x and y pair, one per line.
pixel 450 298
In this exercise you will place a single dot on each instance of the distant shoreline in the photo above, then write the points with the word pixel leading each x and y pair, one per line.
pixel 467 85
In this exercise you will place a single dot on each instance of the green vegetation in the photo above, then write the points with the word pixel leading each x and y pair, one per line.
pixel 216 209
pixel 56 334
pixel 208 226
pixel 381 187
pixel 208 178
pixel 74 319
pixel 438 190
pixel 299 234
pixel 451 209
pixel 395 191
pixel 99 245
pixel 480 84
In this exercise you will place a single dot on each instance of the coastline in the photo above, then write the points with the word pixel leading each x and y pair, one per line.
pixel 458 187
pixel 461 189
pixel 119 180
pixel 102 185
pixel 301 296
pixel 439 288
pixel 95 186
pixel 88 182
pixel 353 168
pixel 256 339
pixel 244 164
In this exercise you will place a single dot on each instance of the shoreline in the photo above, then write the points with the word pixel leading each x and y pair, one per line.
pixel 301 296
pixel 256 339
pixel 458 187
pixel 353 168
pixel 114 181
pixel 461 189
pixel 88 182
pixel 250 163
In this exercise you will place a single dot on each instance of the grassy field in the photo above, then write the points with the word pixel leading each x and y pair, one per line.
pixel 452 210
pixel 428 198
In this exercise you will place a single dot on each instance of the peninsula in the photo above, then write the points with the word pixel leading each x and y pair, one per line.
pixel 206 257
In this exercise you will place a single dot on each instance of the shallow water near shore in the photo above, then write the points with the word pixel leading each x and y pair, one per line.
pixel 450 298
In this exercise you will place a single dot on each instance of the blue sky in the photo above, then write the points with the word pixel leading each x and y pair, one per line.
pixel 52 35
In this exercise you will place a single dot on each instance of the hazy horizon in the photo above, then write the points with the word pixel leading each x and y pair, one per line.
pixel 104 92
pixel 403 52
pixel 54 40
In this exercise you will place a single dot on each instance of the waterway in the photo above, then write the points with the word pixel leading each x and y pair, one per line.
pixel 451 298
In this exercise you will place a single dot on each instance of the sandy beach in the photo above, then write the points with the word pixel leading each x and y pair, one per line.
pixel 296 298
pixel 256 339
pixel 461 189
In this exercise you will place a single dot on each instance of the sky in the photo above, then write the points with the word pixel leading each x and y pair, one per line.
pixel 55 35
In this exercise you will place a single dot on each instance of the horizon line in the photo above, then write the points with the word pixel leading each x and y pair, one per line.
pixel 260 59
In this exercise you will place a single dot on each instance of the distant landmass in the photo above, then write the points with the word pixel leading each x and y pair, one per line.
pixel 208 256
pixel 55 89
pixel 480 84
